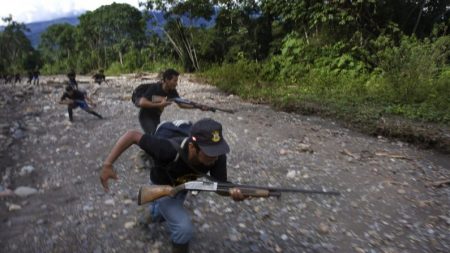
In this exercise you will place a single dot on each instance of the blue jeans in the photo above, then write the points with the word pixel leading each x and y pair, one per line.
pixel 81 103
pixel 171 209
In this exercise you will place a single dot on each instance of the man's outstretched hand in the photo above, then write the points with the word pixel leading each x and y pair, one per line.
pixel 107 173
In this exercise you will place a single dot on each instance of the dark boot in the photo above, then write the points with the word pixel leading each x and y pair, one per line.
pixel 69 109
pixel 94 113
pixel 180 248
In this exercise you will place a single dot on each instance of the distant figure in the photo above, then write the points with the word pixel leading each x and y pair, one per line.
pixel 36 74
pixel 17 78
pixel 99 77
pixel 30 77
pixel 75 98
pixel 8 78
pixel 72 82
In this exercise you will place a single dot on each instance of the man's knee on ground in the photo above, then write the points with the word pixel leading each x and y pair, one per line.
pixel 184 232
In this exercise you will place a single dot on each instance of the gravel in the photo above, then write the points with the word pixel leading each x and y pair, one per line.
pixel 394 196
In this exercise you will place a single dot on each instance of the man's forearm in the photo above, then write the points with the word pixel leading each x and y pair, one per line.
pixel 145 103
pixel 124 142
pixel 66 101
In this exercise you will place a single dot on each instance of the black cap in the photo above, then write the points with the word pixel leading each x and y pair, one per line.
pixel 207 133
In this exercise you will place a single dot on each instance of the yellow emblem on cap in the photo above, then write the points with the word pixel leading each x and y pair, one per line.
pixel 215 136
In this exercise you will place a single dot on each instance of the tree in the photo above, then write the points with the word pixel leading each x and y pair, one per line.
pixel 15 48
pixel 179 29
pixel 418 17
pixel 110 31
pixel 245 29
pixel 57 46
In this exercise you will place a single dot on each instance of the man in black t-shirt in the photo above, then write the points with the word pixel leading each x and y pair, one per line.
pixel 152 104
pixel 203 152
pixel 99 77
pixel 75 98
pixel 155 99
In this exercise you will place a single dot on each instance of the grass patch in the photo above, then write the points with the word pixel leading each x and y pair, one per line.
pixel 360 101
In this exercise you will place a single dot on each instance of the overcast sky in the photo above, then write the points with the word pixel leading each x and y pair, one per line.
pixel 27 11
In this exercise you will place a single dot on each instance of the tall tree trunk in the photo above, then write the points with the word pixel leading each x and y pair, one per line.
pixel 189 49
pixel 104 56
pixel 418 18
pixel 172 41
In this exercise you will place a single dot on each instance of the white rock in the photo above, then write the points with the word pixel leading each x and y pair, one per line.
pixel 129 224
pixel 24 191
pixel 445 218
pixel 109 202
pixel 291 174
pixel 14 207
pixel 26 170
pixel 198 213
pixel 128 201
pixel 283 151
pixel 88 208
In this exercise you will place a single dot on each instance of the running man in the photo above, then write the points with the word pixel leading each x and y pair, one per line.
pixel 75 98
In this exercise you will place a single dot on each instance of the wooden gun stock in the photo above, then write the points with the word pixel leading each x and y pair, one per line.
pixel 153 192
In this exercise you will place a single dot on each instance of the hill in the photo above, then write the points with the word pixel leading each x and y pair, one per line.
pixel 37 28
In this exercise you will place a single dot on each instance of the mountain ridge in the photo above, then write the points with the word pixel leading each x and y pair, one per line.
pixel 37 28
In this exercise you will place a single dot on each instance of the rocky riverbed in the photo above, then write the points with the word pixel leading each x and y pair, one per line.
pixel 394 197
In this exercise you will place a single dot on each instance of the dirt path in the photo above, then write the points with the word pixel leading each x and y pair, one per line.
pixel 388 203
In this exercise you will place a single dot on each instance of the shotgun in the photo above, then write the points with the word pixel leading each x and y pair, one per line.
pixel 184 101
pixel 199 106
pixel 154 192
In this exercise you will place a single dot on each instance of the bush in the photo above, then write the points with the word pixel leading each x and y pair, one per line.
pixel 158 66
pixel 409 79
pixel 409 70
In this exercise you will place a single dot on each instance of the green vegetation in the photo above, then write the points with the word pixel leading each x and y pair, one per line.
pixel 410 80
pixel 362 61
pixel 16 52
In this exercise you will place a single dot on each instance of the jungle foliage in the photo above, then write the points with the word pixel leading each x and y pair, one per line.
pixel 360 58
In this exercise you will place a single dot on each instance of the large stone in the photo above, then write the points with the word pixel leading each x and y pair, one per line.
pixel 24 191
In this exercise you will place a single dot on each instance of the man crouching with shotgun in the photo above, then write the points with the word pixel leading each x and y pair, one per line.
pixel 203 152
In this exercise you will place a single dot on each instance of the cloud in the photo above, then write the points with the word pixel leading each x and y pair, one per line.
pixel 28 11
